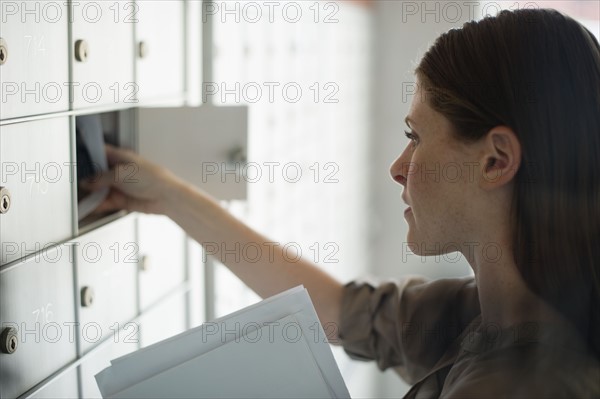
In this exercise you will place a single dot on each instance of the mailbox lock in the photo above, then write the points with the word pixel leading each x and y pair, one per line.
pixel 9 340
pixel 81 50
pixel 87 297
pixel 142 49
pixel 3 51
pixel 4 200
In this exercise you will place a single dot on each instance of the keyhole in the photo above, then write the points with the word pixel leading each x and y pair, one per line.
pixel 4 203
pixel 13 344
pixel 1 54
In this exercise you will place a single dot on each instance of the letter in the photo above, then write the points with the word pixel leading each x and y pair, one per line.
pixel 435 172
pixel 408 89
pixel 246 174
pixel 271 6
pixel 208 329
pixel 448 176
pixel 234 251
pixel 9 89
pixel 230 169
pixel 285 12
pixel 35 12
pixel 457 13
pixel 256 87
pixel 235 91
pixel 235 332
pixel 48 337
pixel 298 92
pixel 435 12
pixel 35 332
pixel 293 336
pixel 235 11
pixel 210 248
pixel 98 332
pixel 257 249
pixel 296 166
pixel 8 8
pixel 209 169
pixel 209 89
pixel 35 91
pixel 409 8
pixel 271 86
pixel 271 167
pixel 258 13
pixel 210 8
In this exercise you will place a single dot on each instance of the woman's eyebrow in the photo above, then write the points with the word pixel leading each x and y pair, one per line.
pixel 408 121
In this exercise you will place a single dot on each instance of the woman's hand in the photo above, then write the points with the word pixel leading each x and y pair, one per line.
pixel 135 183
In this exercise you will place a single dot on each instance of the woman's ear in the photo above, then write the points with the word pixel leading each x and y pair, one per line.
pixel 501 157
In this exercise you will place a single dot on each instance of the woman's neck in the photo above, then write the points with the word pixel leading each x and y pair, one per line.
pixel 504 297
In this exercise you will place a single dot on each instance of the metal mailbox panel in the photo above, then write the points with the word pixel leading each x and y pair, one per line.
pixel 34 72
pixel 196 274
pixel 35 168
pixel 159 52
pixel 162 254
pixel 102 57
pixel 106 261
pixel 37 301
pixel 65 386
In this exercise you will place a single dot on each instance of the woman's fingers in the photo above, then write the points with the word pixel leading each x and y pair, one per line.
pixel 99 181
pixel 116 155
pixel 116 201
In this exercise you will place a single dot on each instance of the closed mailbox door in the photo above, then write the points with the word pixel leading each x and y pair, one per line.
pixel 102 56
pixel 36 174
pixel 159 52
pixel 37 303
pixel 34 72
pixel 162 255
pixel 106 261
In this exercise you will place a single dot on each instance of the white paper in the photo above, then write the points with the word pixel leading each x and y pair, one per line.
pixel 165 361
pixel 262 364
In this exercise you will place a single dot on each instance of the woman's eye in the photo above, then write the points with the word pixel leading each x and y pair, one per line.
pixel 412 137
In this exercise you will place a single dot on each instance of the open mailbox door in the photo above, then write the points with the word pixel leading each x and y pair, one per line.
pixel 205 145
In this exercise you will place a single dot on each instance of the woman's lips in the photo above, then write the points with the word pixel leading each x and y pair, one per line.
pixel 407 210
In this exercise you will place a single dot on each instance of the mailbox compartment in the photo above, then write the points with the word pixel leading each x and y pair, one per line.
pixel 160 52
pixel 36 173
pixel 162 258
pixel 37 303
pixel 92 132
pixel 102 53
pixel 34 71
pixel 106 290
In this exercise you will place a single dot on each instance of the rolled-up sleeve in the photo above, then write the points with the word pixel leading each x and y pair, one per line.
pixel 409 324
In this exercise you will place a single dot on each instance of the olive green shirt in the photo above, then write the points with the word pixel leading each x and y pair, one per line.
pixel 432 334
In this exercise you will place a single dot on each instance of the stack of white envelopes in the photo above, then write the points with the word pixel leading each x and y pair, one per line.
pixel 273 349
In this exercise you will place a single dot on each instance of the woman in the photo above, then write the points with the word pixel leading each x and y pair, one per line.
pixel 512 103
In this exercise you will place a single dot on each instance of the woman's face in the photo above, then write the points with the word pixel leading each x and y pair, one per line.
pixel 439 175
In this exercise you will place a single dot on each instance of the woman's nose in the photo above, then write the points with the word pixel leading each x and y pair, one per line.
pixel 399 169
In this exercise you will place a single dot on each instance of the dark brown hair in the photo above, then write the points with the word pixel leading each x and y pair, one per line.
pixel 537 72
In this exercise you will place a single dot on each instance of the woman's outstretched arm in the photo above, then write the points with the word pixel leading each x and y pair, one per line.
pixel 138 185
